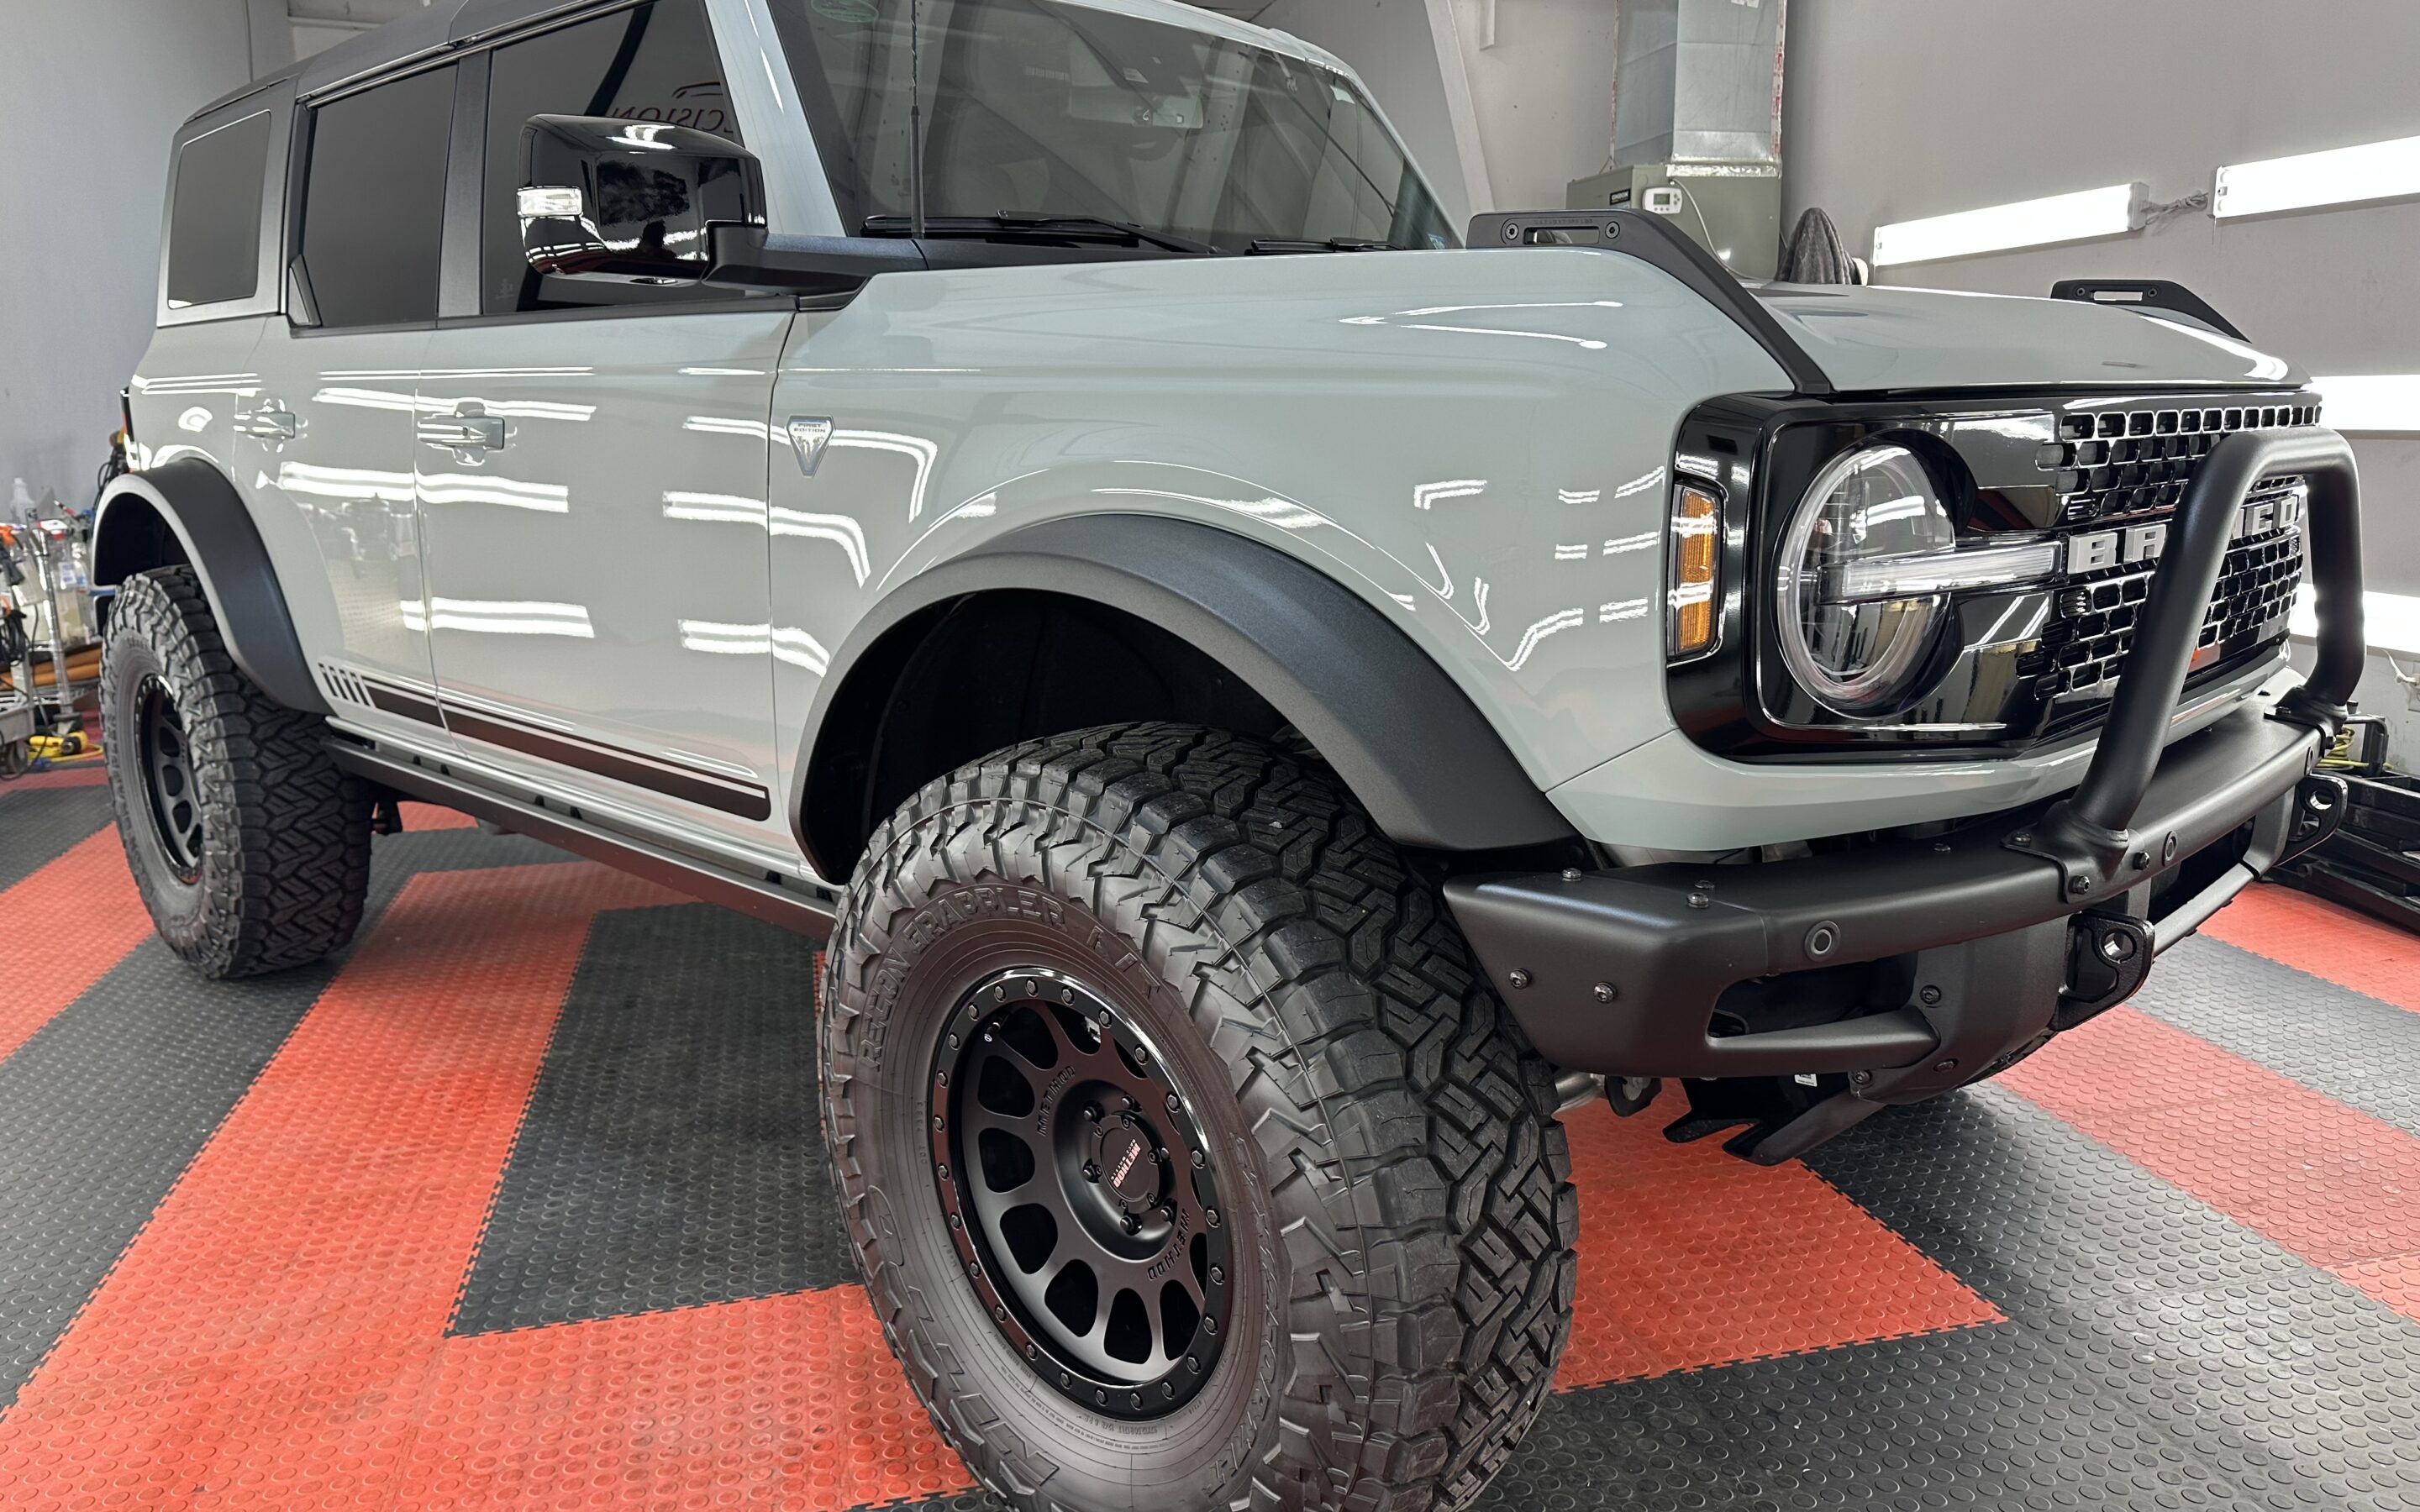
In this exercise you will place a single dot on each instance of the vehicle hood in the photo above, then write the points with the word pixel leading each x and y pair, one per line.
pixel 1878 339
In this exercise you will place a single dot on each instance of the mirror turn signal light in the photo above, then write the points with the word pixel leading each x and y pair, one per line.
pixel 1696 534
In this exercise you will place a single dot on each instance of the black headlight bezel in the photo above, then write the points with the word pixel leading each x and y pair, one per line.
pixel 1741 701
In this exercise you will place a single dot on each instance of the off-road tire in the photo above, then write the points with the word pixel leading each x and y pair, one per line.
pixel 1384 1127
pixel 285 855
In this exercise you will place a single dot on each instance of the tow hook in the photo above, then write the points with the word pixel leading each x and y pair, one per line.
pixel 2320 807
pixel 2108 955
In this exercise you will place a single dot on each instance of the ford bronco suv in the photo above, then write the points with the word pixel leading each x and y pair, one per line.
pixel 1270 704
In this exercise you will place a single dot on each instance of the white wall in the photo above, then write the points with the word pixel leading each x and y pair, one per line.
pixel 1543 91
pixel 92 89
pixel 1894 111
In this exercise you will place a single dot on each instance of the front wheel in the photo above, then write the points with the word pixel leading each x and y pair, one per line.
pixel 1189 1161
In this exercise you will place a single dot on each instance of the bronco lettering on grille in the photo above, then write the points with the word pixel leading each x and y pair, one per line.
pixel 2098 549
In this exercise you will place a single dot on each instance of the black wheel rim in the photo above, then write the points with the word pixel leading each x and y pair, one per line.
pixel 168 778
pixel 1078 1189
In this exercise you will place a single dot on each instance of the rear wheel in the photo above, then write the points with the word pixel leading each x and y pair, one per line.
pixel 250 849
pixel 1189 1161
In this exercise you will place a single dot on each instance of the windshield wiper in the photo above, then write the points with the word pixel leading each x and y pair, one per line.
pixel 1033 223
pixel 1269 246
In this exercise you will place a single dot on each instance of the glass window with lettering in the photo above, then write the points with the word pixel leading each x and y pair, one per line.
pixel 652 62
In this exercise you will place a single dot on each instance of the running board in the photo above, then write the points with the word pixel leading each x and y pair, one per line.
pixel 803 906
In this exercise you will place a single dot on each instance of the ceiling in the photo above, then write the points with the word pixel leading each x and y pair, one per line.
pixel 374 12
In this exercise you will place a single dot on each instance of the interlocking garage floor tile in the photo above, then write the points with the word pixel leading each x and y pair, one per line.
pixel 39 824
pixel 120 1078
pixel 669 1155
pixel 2332 944
pixel 526 1212
pixel 2292 1387
pixel 2333 1039
pixel 100 1112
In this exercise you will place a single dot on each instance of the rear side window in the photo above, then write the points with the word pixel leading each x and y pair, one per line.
pixel 374 204
pixel 653 62
pixel 214 214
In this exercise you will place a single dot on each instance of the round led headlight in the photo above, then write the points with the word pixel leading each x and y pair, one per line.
pixel 1856 647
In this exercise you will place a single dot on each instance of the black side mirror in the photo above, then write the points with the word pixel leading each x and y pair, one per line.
pixel 632 202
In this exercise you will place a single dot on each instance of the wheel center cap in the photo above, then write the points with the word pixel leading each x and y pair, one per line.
pixel 1127 1169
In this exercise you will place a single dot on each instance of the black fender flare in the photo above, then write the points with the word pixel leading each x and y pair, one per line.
pixel 1405 738
pixel 216 533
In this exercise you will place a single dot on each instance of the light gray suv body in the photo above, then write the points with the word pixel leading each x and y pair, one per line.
pixel 1270 704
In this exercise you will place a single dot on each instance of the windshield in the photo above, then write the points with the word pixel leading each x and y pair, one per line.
pixel 1040 107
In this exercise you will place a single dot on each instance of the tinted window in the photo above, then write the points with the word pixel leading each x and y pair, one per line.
pixel 214 214
pixel 374 210
pixel 1064 109
pixel 651 63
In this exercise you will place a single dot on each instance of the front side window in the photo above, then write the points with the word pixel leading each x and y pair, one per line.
pixel 374 204
pixel 214 214
pixel 653 62
pixel 1055 108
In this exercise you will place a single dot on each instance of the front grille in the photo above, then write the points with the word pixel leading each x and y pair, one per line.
pixel 2129 464
pixel 2249 609
pixel 2129 461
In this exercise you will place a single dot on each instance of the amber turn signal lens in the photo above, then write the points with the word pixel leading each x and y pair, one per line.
pixel 1696 532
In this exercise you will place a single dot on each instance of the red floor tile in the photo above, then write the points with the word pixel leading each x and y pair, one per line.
pixel 2327 1182
pixel 61 930
pixel 276 1336
pixel 2333 944
pixel 1690 1257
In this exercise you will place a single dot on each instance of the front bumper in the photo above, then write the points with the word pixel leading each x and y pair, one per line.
pixel 1982 942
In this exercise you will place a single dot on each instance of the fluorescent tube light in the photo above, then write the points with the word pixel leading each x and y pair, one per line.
pixel 2340 175
pixel 2029 223
pixel 2370 401
pixel 2390 621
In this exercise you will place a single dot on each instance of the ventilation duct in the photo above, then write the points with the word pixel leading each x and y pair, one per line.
pixel 1698 80
pixel 1697 124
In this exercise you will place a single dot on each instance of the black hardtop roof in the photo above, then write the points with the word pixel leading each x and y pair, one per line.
pixel 427 32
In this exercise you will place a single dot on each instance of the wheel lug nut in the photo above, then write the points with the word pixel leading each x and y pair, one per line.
pixel 1092 1172
pixel 1133 1223
pixel 1093 1113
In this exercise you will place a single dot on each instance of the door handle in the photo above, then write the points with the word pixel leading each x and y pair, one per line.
pixel 268 423
pixel 468 428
